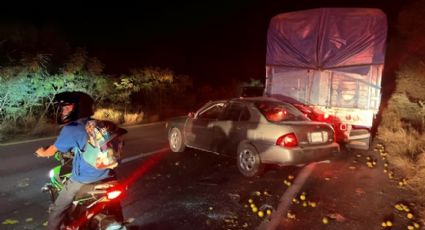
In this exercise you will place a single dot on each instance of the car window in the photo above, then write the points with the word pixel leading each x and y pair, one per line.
pixel 277 112
pixel 245 116
pixel 234 112
pixel 211 112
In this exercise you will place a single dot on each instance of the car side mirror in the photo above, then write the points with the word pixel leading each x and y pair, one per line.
pixel 191 115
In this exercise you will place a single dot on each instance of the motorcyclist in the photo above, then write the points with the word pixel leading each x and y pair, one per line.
pixel 75 110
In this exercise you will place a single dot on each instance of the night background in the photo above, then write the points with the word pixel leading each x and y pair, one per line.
pixel 146 64
pixel 210 41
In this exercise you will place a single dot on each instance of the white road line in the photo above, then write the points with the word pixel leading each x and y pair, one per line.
pixel 28 141
pixel 141 155
pixel 286 199
pixel 142 125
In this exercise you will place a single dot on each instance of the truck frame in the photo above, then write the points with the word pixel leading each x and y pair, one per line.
pixel 331 59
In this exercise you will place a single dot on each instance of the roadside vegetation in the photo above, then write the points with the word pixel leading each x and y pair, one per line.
pixel 29 82
pixel 402 128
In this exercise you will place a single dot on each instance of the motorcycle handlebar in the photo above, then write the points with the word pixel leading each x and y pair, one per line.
pixel 67 155
pixel 62 157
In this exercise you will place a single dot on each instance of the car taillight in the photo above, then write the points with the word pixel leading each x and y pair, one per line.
pixel 325 116
pixel 287 140
pixel 113 194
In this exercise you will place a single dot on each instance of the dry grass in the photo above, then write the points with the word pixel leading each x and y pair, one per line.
pixel 45 128
pixel 118 116
pixel 417 184
pixel 13 131
pixel 405 147
pixel 402 130
pixel 403 142
pixel 133 118
pixel 113 115
pixel 30 128
pixel 410 79
pixel 7 130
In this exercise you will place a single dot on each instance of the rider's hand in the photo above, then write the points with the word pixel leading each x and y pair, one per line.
pixel 39 152
pixel 46 152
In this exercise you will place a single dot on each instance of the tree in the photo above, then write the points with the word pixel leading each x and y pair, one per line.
pixel 412 30
pixel 27 90
pixel 19 87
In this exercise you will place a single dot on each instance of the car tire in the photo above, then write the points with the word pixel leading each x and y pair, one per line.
pixel 248 161
pixel 176 141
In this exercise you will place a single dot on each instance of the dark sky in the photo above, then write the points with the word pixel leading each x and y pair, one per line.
pixel 213 40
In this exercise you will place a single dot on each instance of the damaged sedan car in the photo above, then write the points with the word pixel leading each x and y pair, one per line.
pixel 257 131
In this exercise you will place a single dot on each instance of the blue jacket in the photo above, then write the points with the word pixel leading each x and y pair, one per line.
pixel 73 137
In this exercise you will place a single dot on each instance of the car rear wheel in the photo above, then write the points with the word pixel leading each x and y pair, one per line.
pixel 248 161
pixel 176 140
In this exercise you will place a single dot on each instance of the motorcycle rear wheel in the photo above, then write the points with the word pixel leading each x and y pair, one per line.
pixel 106 222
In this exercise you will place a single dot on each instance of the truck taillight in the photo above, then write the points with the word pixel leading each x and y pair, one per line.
pixel 287 140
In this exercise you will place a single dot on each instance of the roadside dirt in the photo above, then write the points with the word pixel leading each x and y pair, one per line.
pixel 358 191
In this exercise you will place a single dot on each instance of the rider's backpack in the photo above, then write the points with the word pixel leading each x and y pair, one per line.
pixel 104 144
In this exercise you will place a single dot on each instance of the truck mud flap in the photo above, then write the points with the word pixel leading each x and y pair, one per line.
pixel 359 139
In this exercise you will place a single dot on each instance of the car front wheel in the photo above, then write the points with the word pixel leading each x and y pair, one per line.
pixel 176 140
pixel 248 161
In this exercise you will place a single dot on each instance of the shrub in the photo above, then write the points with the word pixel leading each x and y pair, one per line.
pixel 113 115
pixel 402 128
pixel 133 118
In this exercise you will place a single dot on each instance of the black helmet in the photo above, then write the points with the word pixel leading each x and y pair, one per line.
pixel 82 102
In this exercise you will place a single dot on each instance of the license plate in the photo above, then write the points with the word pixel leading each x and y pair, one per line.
pixel 316 137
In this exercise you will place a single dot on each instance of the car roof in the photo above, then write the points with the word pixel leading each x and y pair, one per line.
pixel 287 99
pixel 248 100
pixel 256 99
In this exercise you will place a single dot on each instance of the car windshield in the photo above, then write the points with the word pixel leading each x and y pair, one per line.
pixel 277 112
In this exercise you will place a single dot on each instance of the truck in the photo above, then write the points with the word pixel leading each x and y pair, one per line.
pixel 331 59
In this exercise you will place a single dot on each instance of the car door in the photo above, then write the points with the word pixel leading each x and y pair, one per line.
pixel 230 128
pixel 199 130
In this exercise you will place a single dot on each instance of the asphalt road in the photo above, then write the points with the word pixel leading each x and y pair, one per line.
pixel 189 190
pixel 23 206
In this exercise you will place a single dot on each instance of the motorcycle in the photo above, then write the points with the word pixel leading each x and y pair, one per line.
pixel 96 206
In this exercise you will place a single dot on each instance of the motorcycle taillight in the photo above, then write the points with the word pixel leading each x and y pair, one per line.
pixel 114 193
